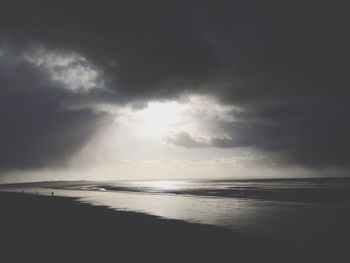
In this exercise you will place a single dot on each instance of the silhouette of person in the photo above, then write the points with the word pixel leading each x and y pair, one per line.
pixel 52 193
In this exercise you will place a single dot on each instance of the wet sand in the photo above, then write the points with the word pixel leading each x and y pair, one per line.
pixel 60 229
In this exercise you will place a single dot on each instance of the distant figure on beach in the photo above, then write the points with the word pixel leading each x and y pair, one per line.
pixel 52 193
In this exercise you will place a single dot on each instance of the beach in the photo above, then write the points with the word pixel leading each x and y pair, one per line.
pixel 60 229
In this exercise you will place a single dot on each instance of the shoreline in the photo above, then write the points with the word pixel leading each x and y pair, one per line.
pixel 320 194
pixel 42 226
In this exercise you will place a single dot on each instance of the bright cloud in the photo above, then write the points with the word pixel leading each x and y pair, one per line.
pixel 70 69
pixel 194 116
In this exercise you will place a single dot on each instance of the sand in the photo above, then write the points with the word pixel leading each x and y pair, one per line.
pixel 60 229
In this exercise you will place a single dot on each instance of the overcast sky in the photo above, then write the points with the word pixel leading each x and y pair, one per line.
pixel 173 89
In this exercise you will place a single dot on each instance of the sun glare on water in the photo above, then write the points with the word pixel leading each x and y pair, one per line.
pixel 162 185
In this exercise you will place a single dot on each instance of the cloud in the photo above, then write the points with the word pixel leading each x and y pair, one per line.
pixel 183 139
pixel 73 71
pixel 283 64
pixel 34 131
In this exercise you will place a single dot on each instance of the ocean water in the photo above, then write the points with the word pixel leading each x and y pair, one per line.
pixel 298 209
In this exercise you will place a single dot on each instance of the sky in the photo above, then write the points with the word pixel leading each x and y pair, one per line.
pixel 138 90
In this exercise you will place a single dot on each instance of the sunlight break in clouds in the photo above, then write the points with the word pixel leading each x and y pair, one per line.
pixel 154 121
pixel 160 120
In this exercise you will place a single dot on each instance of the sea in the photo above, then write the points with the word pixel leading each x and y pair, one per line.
pixel 290 209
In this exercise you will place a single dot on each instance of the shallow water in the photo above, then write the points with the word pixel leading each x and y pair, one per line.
pixel 203 202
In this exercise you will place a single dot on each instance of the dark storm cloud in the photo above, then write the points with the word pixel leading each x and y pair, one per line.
pixel 285 63
pixel 34 132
